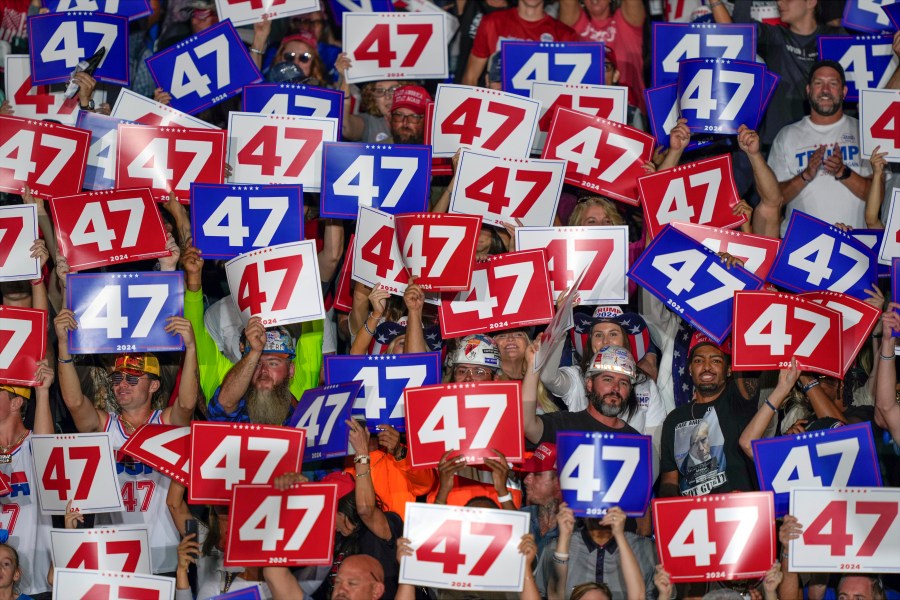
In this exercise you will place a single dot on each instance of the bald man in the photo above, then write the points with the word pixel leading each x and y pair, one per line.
pixel 360 577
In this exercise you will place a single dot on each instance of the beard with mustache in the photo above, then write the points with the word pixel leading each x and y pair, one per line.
pixel 836 103
pixel 604 408
pixel 269 407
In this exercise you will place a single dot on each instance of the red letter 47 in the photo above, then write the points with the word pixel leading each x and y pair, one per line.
pixel 852 529
pixel 465 417
pixel 717 537
pixel 386 45
pixel 470 548
pixel 80 584
pixel 438 249
pixel 604 156
pixel 122 550
pixel 879 122
pixel 49 158
pixel 290 528
pixel 495 122
pixel 278 148
pixel 79 468
pixel 22 343
pixel 225 454
pixel 772 327
pixel 280 283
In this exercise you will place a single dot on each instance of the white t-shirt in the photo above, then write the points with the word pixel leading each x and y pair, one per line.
pixel 823 197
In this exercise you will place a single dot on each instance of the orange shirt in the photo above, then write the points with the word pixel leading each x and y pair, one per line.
pixel 396 482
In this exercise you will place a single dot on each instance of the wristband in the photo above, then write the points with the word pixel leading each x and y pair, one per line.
pixel 65 361
pixel 36 282
pixel 883 357
pixel 358 475
pixel 362 459
pixel 770 405
pixel 844 174
pixel 809 386
pixel 805 180
pixel 505 498
pixel 255 51
pixel 366 325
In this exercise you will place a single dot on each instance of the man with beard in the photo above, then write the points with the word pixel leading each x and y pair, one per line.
pixel 408 114
pixel 817 161
pixel 608 382
pixel 700 451
pixel 257 388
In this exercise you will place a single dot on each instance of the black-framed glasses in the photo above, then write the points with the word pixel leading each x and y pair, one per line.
pixel 131 380
pixel 380 92
pixel 407 118
pixel 304 58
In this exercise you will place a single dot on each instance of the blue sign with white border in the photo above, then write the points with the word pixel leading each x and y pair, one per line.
pixel 674 42
pixel 718 96
pixel 293 99
pixel 868 60
pixel 563 62
pixel 100 173
pixel 132 9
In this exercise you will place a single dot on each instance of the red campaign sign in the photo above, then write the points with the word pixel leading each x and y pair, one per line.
pixel 108 227
pixel 165 448
pixel 604 157
pixel 772 327
pixel 717 537
pixel 23 339
pixel 470 417
pixel 167 159
pixel 438 248
pixel 48 157
pixel 508 290
pixel 290 528
pixel 757 251
pixel 226 454
pixel 858 320
pixel 439 166
pixel 343 296
pixel 701 192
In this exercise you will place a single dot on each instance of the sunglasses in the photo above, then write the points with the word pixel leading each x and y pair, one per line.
pixel 303 58
pixel 131 380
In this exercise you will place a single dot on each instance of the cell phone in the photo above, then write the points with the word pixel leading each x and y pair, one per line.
pixel 191 526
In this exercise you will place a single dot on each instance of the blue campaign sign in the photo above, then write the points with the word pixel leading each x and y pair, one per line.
pixel 866 15
pixel 563 62
pixel 691 280
pixel 323 412
pixel 817 256
pixel 868 60
pixel 339 7
pixel 893 13
pixel 718 96
pixel 100 173
pixel 393 179
pixel 600 470
pixel 228 220
pixel 872 239
pixel 57 42
pixel 124 312
pixel 132 9
pixel 384 378
pixel 674 42
pixel 769 85
pixel 662 108
pixel 837 458
pixel 204 69
pixel 251 593
pixel 294 99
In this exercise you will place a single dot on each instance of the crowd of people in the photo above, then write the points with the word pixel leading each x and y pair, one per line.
pixel 637 368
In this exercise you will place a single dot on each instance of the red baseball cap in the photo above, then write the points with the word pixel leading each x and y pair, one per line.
pixel 413 97
pixel 543 459
pixel 699 339
pixel 343 480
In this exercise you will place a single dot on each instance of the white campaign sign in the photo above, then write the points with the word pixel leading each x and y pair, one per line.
pixel 246 12
pixel 111 585
pixel 879 122
pixel 395 45
pixel 890 241
pixel 38 102
pixel 278 148
pixel 375 241
pixel 609 102
pixel 503 190
pixel 475 549
pixel 124 550
pixel 134 107
pixel 18 231
pixel 280 283
pixel 80 468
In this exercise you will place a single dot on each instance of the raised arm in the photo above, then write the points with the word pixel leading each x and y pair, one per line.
pixel 679 138
pixel 876 191
pixel 534 427
pixel 86 416
pixel 766 219
pixel 352 126
pixel 332 249
pixel 366 506
pixel 414 298
pixel 760 421
pixel 635 589
pixel 377 300
pixel 238 379
pixel 182 411
pixel 887 411
pixel 43 416
pixel 569 11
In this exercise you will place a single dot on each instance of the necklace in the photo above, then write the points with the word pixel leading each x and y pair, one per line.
pixel 129 427
pixel 5 456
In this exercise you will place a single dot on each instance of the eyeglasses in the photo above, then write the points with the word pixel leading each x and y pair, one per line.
pixel 303 58
pixel 131 380
pixel 473 372
pixel 407 118
pixel 379 92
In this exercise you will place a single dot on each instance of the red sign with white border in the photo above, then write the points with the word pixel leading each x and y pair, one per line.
pixel 93 585
pixel 604 156
pixel 717 537
pixel 508 290
pixel 605 101
pixel 79 467
pixel 853 530
pixel 169 159
pixel 165 448
pixel 124 550
pixel 226 454
pixel 470 417
pixel 772 327
pixel 438 248
pixel 858 319
pixel 757 251
pixel 106 227
pixel 47 157
pixel 290 528
pixel 702 192
pixel 23 342
pixel 489 121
